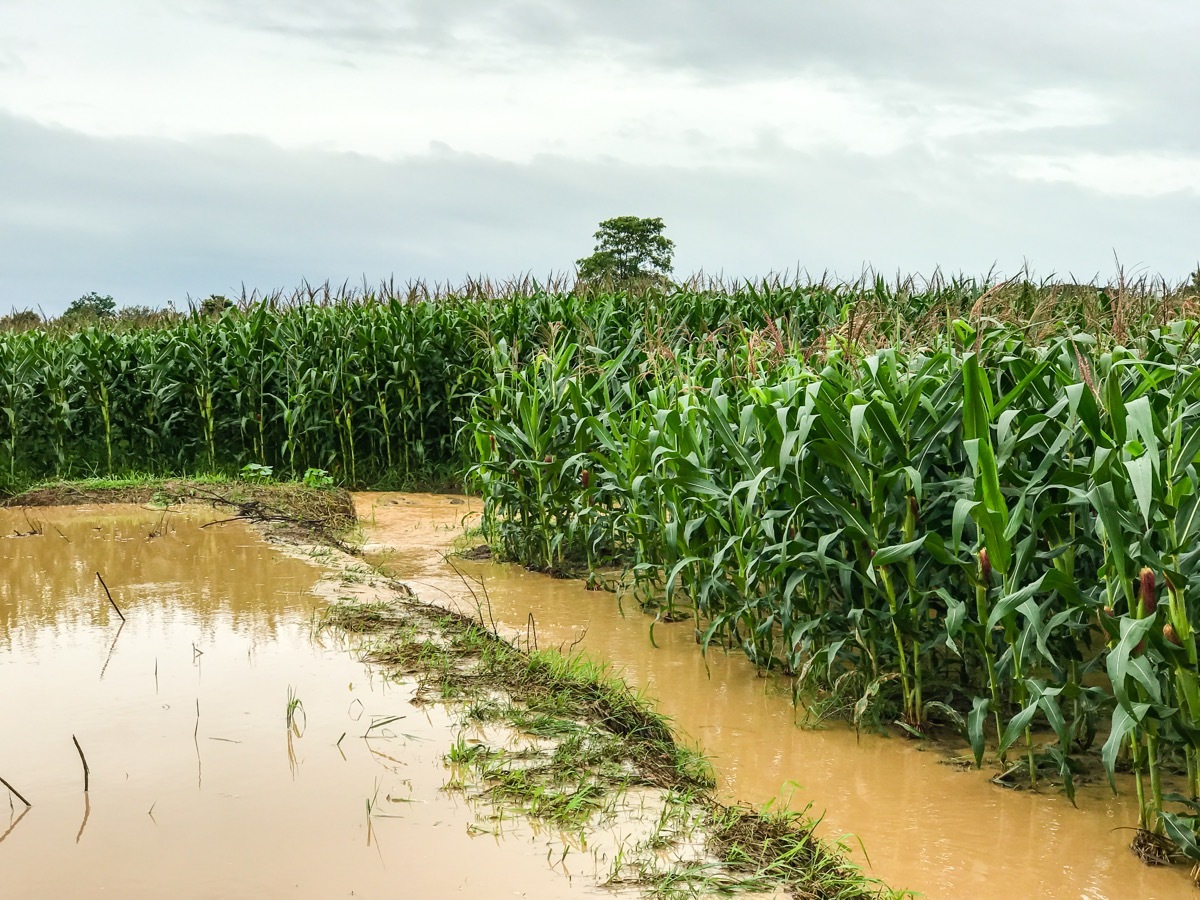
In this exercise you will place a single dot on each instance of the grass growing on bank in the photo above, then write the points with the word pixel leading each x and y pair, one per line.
pixel 556 738
pixel 440 479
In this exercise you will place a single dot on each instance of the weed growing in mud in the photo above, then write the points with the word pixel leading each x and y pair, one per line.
pixel 354 616
pixel 296 717
pixel 533 788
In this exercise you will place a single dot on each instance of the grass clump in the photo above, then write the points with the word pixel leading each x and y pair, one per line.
pixel 354 616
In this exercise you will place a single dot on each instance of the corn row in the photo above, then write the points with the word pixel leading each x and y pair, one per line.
pixel 987 532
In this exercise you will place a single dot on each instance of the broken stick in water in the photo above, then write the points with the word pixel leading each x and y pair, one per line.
pixel 15 792
pixel 86 771
pixel 110 599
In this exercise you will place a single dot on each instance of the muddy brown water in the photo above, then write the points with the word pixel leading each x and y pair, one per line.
pixel 924 825
pixel 226 801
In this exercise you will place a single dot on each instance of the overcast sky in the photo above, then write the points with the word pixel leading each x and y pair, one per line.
pixel 159 149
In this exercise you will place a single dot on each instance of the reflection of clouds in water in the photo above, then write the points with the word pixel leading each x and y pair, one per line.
pixel 157 567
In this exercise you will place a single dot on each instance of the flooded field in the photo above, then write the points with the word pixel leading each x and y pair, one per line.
pixel 198 787
pixel 926 825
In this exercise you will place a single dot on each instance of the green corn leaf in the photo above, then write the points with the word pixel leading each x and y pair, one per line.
pixel 977 401
pixel 1016 726
pixel 936 547
pixel 1141 417
pixel 886 556
pixel 963 510
pixel 857 414
pixel 1115 403
pixel 949 712
pixel 1104 501
pixel 1009 602
pixel 1187 453
pixel 831 653
pixel 976 720
pixel 1121 663
pixel 1063 761
pixel 1048 703
pixel 991 514
pixel 1082 403
pixel 1141 479
pixel 989 483
pixel 751 486
pixel 1019 390
pixel 1124 721
pixel 1182 831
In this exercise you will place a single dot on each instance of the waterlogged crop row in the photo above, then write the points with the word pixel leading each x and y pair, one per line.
pixel 989 533
pixel 995 530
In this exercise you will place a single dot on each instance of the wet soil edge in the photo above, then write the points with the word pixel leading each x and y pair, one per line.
pixel 456 659
pixel 324 513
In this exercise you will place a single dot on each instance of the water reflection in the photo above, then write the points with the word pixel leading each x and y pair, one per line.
pixel 154 563
pixel 198 786
pixel 14 820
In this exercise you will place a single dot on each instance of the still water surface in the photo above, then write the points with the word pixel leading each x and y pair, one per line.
pixel 198 788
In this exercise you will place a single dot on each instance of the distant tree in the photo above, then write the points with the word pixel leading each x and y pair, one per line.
pixel 214 305
pixel 628 249
pixel 91 306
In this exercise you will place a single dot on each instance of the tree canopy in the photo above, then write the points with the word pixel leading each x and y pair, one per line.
pixel 628 248
pixel 92 306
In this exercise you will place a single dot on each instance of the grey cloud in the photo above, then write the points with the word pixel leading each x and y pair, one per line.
pixel 10 60
pixel 1025 42
pixel 1137 59
pixel 148 220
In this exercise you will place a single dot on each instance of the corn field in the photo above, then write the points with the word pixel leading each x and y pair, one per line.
pixel 371 385
pixel 365 391
pixel 949 503
pixel 977 527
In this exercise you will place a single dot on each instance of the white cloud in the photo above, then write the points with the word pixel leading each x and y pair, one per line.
pixel 1146 174
pixel 1043 108
pixel 160 74
pixel 151 77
